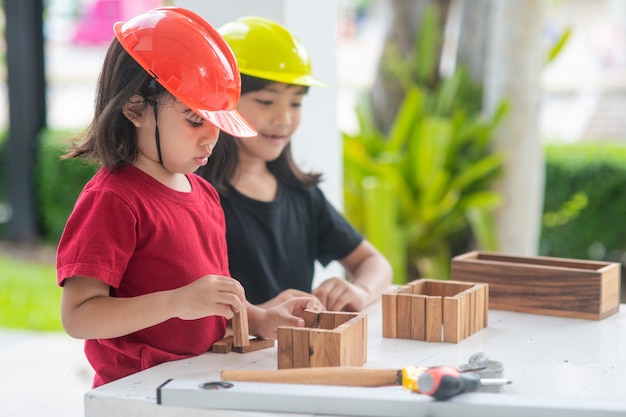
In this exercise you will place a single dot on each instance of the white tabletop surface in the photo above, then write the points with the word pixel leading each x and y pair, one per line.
pixel 558 366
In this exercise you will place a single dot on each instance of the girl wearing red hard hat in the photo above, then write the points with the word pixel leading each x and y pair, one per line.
pixel 278 222
pixel 142 260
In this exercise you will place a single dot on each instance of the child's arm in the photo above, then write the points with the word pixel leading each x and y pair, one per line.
pixel 371 276
pixel 264 323
pixel 88 312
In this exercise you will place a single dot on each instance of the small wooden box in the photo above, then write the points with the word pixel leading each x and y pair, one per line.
pixel 544 285
pixel 328 339
pixel 435 310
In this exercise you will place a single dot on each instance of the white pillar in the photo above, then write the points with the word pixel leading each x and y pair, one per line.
pixel 513 71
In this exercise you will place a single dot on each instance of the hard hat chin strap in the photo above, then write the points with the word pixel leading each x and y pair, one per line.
pixel 153 102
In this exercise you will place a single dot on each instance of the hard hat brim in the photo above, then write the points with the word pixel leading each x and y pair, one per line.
pixel 230 121
pixel 284 77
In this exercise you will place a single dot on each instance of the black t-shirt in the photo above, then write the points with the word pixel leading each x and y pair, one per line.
pixel 272 246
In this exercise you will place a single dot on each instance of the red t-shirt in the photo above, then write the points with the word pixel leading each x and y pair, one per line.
pixel 139 236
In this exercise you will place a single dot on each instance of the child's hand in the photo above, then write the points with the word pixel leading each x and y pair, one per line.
pixel 265 323
pixel 337 294
pixel 284 296
pixel 212 295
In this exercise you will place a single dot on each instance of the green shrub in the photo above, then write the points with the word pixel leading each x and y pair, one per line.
pixel 59 181
pixel 29 298
pixel 585 201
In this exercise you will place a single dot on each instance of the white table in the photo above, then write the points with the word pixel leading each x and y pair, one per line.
pixel 559 367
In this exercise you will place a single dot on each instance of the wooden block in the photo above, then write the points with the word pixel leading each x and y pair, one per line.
pixel 224 345
pixel 339 340
pixel 434 319
pixel 254 345
pixel 543 285
pixel 420 314
pixel 285 348
pixel 390 306
pixel 241 335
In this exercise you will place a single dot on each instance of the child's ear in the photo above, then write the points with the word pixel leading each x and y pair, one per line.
pixel 133 109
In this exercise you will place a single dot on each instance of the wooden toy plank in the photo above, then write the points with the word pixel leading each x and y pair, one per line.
pixel 417 316
pixel 327 320
pixel 325 348
pixel 311 319
pixel 451 320
pixel 418 286
pixel 254 345
pixel 434 319
pixel 480 306
pixel 390 306
pixel 405 316
pixel 239 324
pixel 301 347
pixel 224 345
pixel 405 289
pixel 362 341
pixel 486 320
pixel 342 317
pixel 285 348
pixel 346 348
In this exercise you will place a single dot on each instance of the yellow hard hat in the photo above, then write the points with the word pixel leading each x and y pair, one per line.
pixel 265 49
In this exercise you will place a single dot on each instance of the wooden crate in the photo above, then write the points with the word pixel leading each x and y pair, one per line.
pixel 328 339
pixel 435 310
pixel 544 285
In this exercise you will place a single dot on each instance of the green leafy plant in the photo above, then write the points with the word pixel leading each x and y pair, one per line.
pixel 423 188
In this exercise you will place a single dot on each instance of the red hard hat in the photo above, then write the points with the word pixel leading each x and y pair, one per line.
pixel 191 60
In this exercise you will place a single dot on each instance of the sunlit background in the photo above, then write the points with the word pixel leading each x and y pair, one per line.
pixel 584 96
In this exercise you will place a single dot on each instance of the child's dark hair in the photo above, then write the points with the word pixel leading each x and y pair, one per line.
pixel 111 139
pixel 223 162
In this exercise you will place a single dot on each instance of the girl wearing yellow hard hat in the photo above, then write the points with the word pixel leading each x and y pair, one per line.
pixel 142 260
pixel 278 222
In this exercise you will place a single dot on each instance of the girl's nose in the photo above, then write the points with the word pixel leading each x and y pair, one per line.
pixel 209 135
pixel 282 117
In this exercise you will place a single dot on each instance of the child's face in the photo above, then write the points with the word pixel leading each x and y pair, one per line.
pixel 275 113
pixel 187 140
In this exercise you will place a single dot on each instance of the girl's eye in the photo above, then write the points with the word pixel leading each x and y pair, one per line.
pixel 195 123
pixel 296 105
pixel 264 102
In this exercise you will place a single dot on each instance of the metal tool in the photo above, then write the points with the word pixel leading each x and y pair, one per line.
pixel 443 382
pixel 440 382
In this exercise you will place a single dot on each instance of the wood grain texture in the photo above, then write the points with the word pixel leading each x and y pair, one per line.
pixel 337 339
pixel 419 311
pixel 254 345
pixel 543 285
pixel 241 334
pixel 224 345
